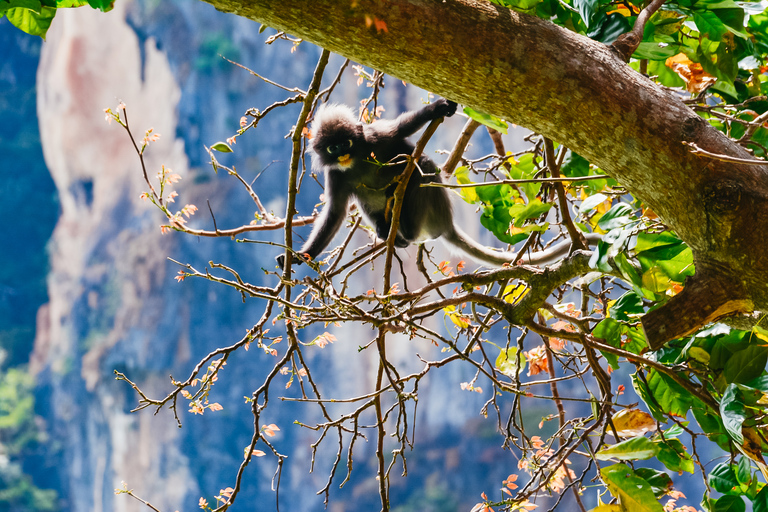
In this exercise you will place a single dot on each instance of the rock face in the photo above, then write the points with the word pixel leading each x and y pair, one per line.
pixel 115 306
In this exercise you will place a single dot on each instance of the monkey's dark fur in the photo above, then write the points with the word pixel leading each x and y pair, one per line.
pixel 357 160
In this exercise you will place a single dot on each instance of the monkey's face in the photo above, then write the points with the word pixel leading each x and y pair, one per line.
pixel 341 152
pixel 339 141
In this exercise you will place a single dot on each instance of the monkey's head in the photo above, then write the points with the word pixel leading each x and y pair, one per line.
pixel 338 138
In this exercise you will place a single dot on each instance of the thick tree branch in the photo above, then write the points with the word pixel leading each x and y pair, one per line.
pixel 574 90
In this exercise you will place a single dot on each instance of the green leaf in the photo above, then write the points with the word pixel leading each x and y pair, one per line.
pixel 744 471
pixel 656 51
pixel 709 25
pixel 733 413
pixel 729 504
pixel 592 202
pixel 575 166
pixel 733 19
pixel 609 330
pixel 722 478
pixel 660 482
pixel 33 23
pixel 670 395
pixel 506 362
pixel 619 215
pixel 633 492
pixel 32 5
pixel 674 456
pixel 637 448
pixel 532 210
pixel 222 147
pixel 487 119
pixel 587 9
pixel 610 28
pixel 103 5
pixel 760 503
pixel 627 307
pixel 646 241
pixel 712 425
pixel 746 365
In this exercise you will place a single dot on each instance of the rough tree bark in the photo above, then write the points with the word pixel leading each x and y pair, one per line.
pixel 579 93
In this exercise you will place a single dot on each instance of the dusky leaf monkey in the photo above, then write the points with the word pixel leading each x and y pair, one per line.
pixel 361 161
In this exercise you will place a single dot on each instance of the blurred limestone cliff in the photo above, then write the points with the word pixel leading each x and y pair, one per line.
pixel 112 302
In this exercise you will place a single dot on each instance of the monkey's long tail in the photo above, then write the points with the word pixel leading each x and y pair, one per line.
pixel 464 242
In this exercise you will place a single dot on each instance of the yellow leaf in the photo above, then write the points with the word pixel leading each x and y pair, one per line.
pixel 692 73
pixel 656 280
pixel 513 293
pixel 633 422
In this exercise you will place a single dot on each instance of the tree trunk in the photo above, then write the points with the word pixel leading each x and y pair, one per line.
pixel 579 93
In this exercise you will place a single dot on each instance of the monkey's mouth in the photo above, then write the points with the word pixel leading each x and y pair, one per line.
pixel 345 160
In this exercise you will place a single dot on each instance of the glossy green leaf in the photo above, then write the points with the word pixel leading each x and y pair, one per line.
pixel 660 482
pixel 487 120
pixel 656 50
pixel 712 425
pixel 627 307
pixel 729 504
pixel 637 448
pixel 674 456
pixel 733 413
pixel 574 166
pixel 760 503
pixel 610 28
pixel 222 147
pixel 619 215
pixel 532 210
pixel 31 22
pixel 633 492
pixel 733 20
pixel 709 25
pixel 744 471
pixel 609 330
pixel 592 202
pixel 722 478
pixel 746 365
pixel 587 9
pixel 32 5
pixel 647 241
pixel 672 397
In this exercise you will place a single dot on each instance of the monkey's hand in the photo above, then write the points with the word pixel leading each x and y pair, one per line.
pixel 444 108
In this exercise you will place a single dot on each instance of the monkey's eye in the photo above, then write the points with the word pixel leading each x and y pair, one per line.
pixel 330 149
pixel 349 143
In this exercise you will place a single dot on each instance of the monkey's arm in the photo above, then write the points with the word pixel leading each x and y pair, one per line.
pixel 409 123
pixel 330 219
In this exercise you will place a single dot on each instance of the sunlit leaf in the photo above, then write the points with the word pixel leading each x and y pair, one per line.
pixel 31 22
pixel 487 120
pixel 222 147
pixel 673 455
pixel 633 422
pixel 633 492
pixel 660 482
pixel 637 448
pixel 733 413
pixel 507 362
